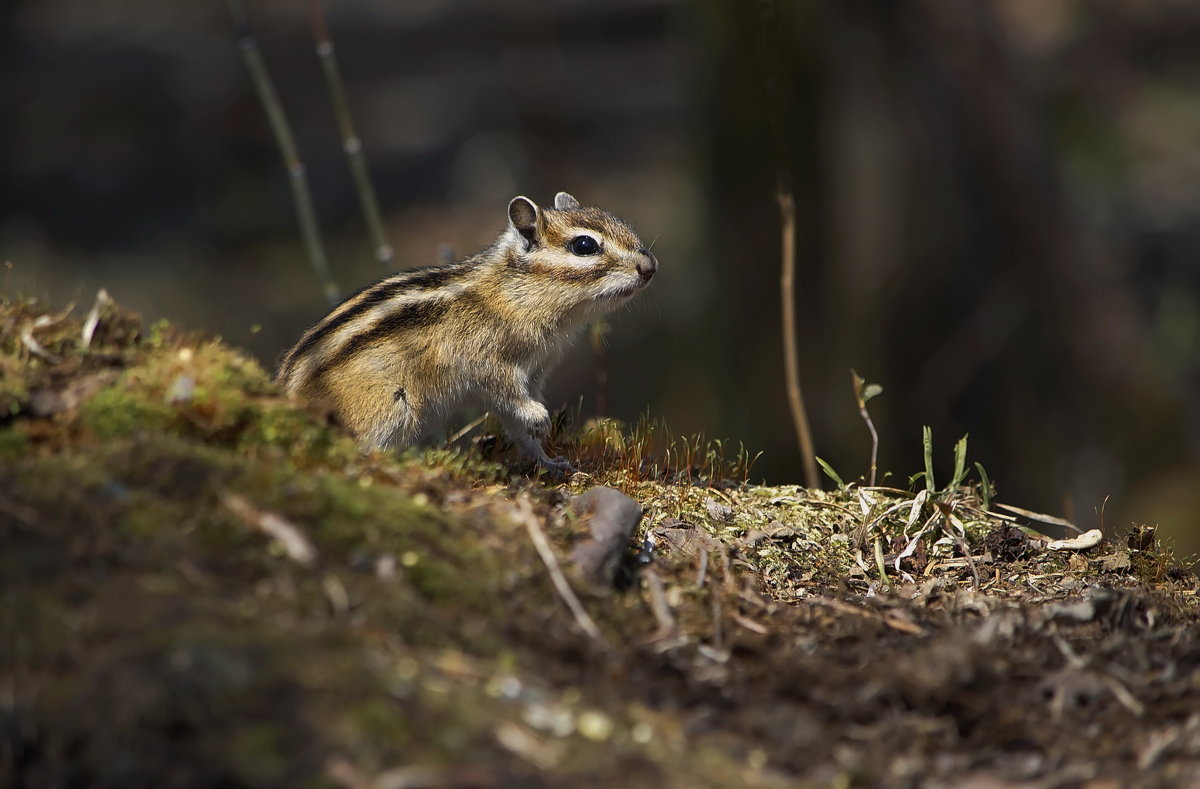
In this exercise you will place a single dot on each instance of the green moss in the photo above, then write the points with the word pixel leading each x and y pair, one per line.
pixel 117 412
pixel 258 753
pixel 292 432
pixel 14 389
pixel 13 443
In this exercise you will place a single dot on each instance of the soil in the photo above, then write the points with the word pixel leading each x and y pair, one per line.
pixel 204 584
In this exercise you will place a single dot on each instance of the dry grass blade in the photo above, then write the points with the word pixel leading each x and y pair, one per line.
pixel 93 317
pixel 958 533
pixel 865 529
pixel 911 547
pixel 1037 516
pixel 41 322
pixel 31 343
pixel 468 427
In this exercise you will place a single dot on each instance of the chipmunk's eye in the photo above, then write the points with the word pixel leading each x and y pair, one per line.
pixel 583 245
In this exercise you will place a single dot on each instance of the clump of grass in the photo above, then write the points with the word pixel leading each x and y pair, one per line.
pixel 649 451
pixel 925 521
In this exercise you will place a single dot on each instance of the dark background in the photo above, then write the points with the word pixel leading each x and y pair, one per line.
pixel 999 203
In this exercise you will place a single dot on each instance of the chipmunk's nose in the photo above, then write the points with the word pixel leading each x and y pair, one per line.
pixel 647 268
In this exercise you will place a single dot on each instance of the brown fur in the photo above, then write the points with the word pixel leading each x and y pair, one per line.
pixel 395 357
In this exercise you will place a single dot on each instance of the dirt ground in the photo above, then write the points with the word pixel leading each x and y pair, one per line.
pixel 203 584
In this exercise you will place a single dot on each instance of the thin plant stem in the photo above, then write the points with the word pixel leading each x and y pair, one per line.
pixel 351 142
pixel 282 131
pixel 861 396
pixel 600 354
pixel 791 361
pixel 768 61
pixel 874 443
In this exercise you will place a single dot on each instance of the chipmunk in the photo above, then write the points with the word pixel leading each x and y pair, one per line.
pixel 395 358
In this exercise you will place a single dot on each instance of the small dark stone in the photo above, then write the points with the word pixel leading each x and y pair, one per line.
pixel 610 518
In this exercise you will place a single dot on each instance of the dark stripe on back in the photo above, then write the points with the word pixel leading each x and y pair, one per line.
pixel 412 316
pixel 368 298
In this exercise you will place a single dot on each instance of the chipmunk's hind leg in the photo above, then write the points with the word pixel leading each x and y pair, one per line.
pixel 400 424
pixel 379 411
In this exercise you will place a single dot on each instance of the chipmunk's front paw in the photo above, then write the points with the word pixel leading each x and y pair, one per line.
pixel 534 418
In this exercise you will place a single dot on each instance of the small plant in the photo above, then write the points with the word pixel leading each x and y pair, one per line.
pixel 905 519
pixel 863 392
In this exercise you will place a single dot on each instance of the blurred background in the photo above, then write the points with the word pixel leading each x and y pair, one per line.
pixel 998 204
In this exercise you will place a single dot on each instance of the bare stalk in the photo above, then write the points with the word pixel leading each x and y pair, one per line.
pixel 351 143
pixel 600 353
pixel 282 130
pixel 791 355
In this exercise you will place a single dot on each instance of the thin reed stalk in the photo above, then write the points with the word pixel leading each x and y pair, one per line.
pixel 282 131
pixel 791 354
pixel 351 143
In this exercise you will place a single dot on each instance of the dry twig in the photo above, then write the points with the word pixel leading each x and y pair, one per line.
pixel 524 514
pixel 295 543
pixel 791 360
pixel 658 601
pixel 282 130
pixel 351 142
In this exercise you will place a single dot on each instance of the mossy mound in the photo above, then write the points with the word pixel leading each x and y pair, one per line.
pixel 203 583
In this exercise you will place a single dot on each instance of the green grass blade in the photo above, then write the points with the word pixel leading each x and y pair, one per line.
pixel 985 486
pixel 829 472
pixel 960 465
pixel 928 441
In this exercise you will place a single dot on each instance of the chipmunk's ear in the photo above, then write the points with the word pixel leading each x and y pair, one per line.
pixel 564 202
pixel 523 216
